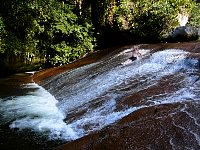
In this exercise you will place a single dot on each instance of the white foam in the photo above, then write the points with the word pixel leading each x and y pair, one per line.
pixel 158 65
pixel 37 110
pixel 100 117
pixel 30 72
pixel 155 67
pixel 144 52
pixel 184 94
pixel 40 111
pixel 141 51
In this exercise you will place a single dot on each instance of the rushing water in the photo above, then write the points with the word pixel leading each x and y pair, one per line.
pixel 91 97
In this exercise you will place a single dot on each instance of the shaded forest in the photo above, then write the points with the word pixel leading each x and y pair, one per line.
pixel 36 34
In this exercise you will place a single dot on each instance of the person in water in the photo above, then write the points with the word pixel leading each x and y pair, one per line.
pixel 135 53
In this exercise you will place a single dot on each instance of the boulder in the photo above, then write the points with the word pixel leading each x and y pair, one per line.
pixel 184 33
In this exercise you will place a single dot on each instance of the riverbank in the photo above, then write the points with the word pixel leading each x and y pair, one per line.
pixel 88 59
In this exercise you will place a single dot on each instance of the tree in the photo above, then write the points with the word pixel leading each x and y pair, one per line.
pixel 62 38
pixel 194 19
pixel 148 19
pixel 45 28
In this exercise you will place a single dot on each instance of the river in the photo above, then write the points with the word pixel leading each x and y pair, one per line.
pixel 155 97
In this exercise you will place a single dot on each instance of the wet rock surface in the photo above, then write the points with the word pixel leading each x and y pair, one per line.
pixel 154 109
pixel 165 127
pixel 90 58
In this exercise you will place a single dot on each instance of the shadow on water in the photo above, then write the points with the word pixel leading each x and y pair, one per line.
pixel 19 139
pixel 25 140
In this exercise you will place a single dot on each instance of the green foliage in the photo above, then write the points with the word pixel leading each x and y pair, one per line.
pixel 2 32
pixel 2 26
pixel 62 31
pixel 44 28
pixel 154 21
pixel 99 12
pixel 124 14
pixel 150 19
pixel 194 19
pixel 61 35
pixel 17 16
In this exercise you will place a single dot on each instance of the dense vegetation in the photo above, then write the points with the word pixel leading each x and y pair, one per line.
pixel 195 15
pixel 55 32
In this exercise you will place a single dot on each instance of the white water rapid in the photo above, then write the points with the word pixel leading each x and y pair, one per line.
pixel 89 99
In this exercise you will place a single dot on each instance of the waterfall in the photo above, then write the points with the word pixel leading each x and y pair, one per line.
pixel 182 19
